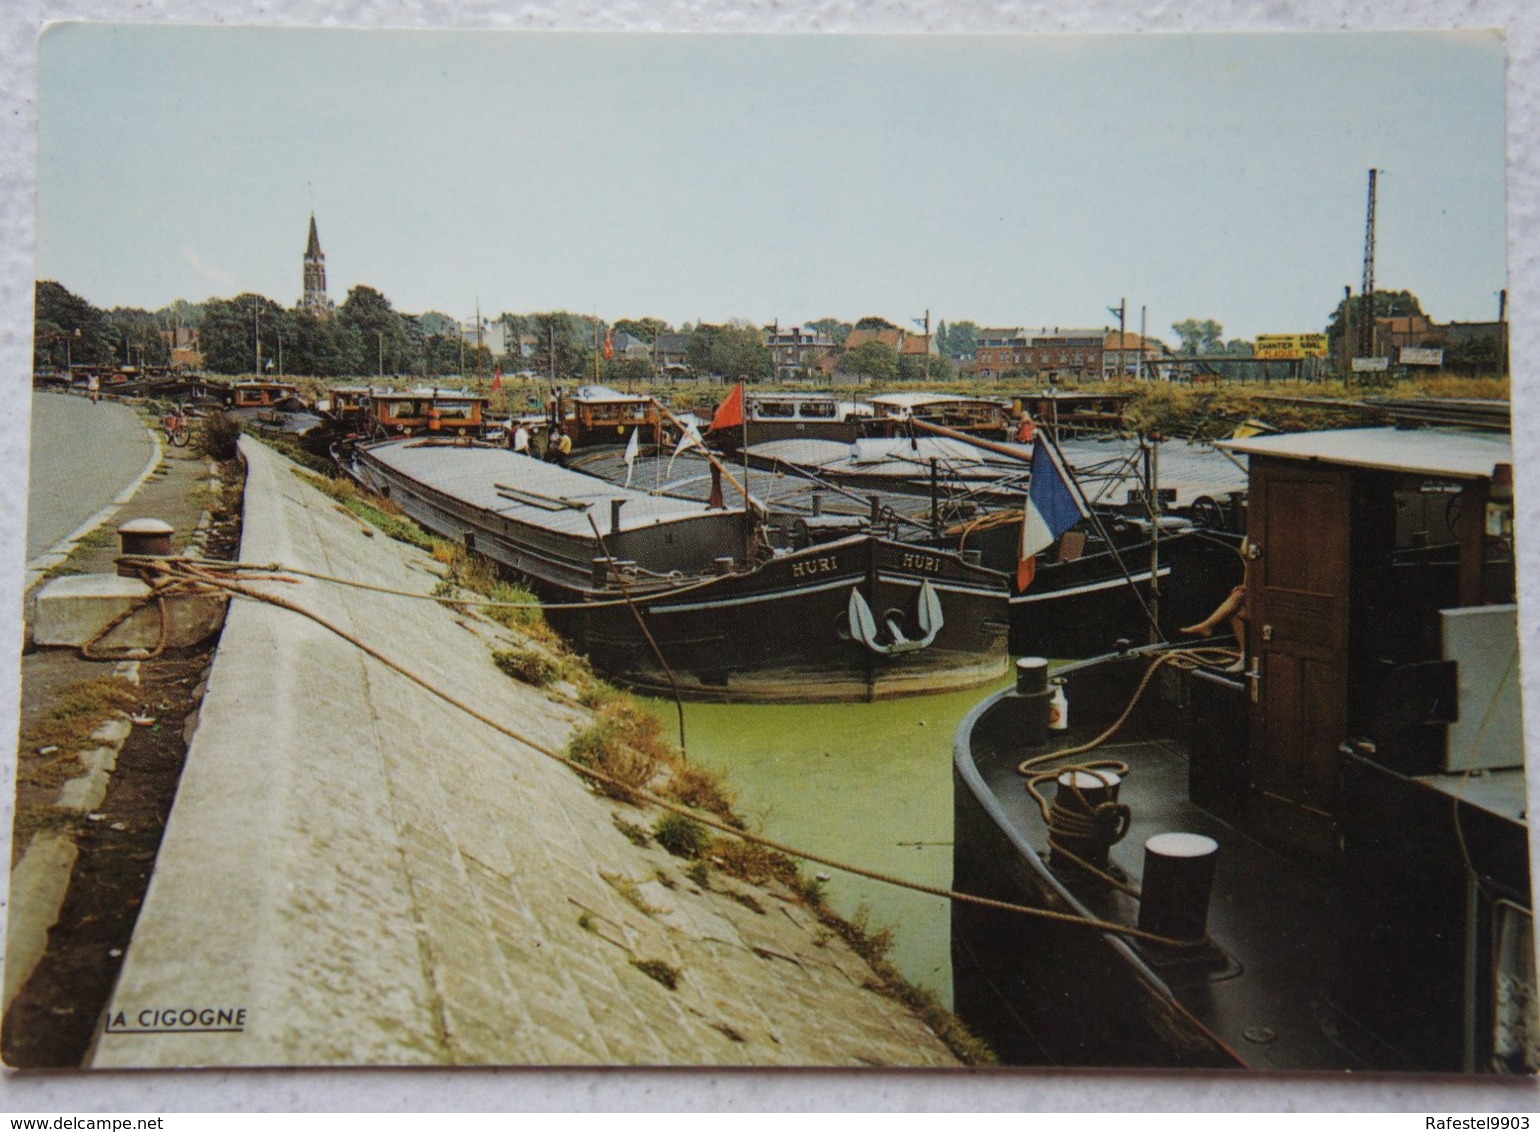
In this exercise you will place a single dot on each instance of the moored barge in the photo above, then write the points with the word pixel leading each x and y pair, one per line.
pixel 1355 785
pixel 862 617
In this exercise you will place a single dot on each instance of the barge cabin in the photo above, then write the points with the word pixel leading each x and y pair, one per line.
pixel 1348 886
pixel 425 412
pixel 597 414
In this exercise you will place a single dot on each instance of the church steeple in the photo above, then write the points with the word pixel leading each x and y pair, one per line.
pixel 314 299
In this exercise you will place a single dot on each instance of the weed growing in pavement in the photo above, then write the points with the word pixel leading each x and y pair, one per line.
pixel 610 747
pixel 635 834
pixel 77 712
pixel 701 788
pixel 529 665
pixel 681 836
pixel 665 973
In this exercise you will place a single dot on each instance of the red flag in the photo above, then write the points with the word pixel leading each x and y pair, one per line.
pixel 609 346
pixel 730 411
pixel 497 379
pixel 1026 570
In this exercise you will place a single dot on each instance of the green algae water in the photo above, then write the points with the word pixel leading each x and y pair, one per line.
pixel 870 784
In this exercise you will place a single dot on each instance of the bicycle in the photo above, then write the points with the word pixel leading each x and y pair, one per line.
pixel 177 432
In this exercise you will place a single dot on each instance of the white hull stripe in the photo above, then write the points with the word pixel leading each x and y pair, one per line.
pixel 841 583
pixel 747 599
pixel 1087 588
pixel 976 591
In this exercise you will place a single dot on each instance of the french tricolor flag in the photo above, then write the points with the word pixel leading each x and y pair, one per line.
pixel 1052 508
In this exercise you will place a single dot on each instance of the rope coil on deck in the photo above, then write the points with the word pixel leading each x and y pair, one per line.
pixel 1069 814
pixel 227 577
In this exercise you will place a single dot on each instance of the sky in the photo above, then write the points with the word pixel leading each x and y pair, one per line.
pixel 1010 180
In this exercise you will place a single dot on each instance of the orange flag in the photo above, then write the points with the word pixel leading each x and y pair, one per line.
pixel 730 411
pixel 609 346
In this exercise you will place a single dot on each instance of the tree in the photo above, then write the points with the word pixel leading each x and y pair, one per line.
pixel 874 322
pixel 647 329
pixel 68 330
pixel 137 338
pixel 961 340
pixel 562 346
pixel 318 345
pixel 836 330
pixel 1199 336
pixel 381 342
pixel 735 350
pixel 926 367
pixel 872 359
pixel 231 329
pixel 622 370
pixel 1387 304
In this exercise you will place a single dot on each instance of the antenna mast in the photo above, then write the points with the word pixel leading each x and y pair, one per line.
pixel 1366 313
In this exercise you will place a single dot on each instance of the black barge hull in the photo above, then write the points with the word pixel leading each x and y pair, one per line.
pixel 780 630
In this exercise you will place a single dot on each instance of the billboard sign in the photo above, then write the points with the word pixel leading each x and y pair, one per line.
pixel 1291 346
pixel 1370 365
pixel 1421 356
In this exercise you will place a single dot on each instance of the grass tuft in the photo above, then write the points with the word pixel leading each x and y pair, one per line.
pixel 681 836
pixel 701 788
pixel 532 666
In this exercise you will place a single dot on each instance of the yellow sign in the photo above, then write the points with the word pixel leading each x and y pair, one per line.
pixel 1289 346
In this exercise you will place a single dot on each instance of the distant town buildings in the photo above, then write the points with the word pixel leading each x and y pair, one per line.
pixel 1058 352
pixel 801 351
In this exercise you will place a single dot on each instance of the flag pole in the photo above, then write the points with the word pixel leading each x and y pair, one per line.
pixel 1096 522
pixel 711 456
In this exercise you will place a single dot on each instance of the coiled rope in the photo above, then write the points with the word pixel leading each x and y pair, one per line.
pixel 1070 814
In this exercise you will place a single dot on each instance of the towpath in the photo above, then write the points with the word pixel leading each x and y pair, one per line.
pixel 356 872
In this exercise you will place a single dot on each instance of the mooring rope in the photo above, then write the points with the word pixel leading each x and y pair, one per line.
pixel 1070 814
pixel 226 577
pixel 276 569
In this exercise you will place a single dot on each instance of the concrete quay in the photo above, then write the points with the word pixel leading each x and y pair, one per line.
pixel 356 873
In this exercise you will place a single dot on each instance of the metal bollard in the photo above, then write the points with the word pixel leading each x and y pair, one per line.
pixel 1080 792
pixel 1178 878
pixel 1031 714
pixel 151 537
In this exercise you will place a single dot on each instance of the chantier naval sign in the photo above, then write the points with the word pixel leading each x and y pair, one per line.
pixel 1288 346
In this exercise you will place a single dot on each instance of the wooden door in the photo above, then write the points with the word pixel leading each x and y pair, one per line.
pixel 1298 637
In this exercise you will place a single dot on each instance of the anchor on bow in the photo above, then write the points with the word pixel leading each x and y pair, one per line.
pixel 863 626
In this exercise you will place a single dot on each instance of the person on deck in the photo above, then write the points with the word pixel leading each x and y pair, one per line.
pixel 1235 609
pixel 521 439
pixel 560 449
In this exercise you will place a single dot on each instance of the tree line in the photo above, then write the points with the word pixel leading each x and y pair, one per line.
pixel 366 336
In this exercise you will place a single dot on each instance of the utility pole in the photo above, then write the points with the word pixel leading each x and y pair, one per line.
pixel 256 334
pixel 1366 317
pixel 379 336
pixel 1121 310
pixel 1139 370
pixel 478 339
pixel 1502 332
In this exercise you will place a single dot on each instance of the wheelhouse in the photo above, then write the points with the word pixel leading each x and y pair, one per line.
pixel 444 411
pixel 261 394
pixel 597 414
pixel 982 416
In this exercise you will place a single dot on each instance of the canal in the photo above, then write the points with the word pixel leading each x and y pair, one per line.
pixel 866 783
